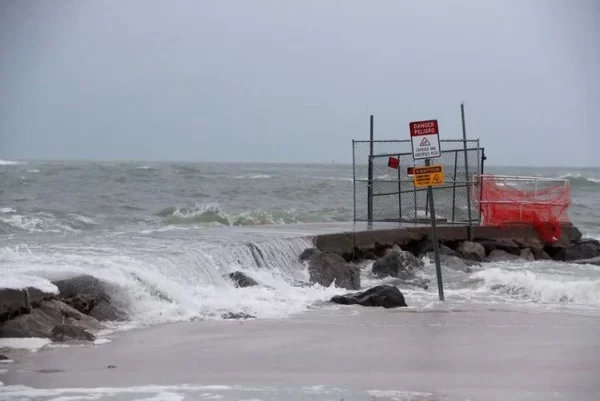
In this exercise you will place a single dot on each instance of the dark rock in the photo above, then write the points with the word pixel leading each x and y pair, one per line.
pixel 394 248
pixel 85 293
pixel 37 323
pixel 397 264
pixel 241 280
pixel 4 358
pixel 471 251
pixel 40 321
pixel 36 297
pixel 498 255
pixel 502 244
pixel 527 254
pixel 63 313
pixel 583 250
pixel 13 303
pixel 308 253
pixel 541 254
pixel 326 267
pixel 111 367
pixel 531 243
pixel 386 296
pixel 105 312
pixel 240 315
pixel 67 332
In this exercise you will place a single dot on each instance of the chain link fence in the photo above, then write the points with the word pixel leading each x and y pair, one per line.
pixel 393 195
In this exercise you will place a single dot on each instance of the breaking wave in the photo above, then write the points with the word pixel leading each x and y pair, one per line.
pixel 11 163
pixel 186 283
pixel 43 222
pixel 581 180
pixel 550 287
pixel 212 214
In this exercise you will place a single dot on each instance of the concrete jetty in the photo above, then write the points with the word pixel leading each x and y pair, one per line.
pixel 364 236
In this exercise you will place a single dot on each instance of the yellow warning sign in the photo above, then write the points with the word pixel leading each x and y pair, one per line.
pixel 429 175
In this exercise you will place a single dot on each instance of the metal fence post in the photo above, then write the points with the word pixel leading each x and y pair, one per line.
pixel 354 177
pixel 454 186
pixel 370 178
pixel 399 194
pixel 464 130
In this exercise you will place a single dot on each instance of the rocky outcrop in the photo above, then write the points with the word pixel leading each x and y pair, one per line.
pixel 15 302
pixel 386 296
pixel 67 332
pixel 241 280
pixel 41 321
pixel 501 244
pixel 397 264
pixel 471 251
pixel 89 296
pixel 582 249
pixel 541 254
pixel 326 268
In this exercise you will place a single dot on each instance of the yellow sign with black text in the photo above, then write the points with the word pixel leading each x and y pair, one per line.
pixel 429 175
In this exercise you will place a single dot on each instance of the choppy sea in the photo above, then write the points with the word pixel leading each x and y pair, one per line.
pixel 167 233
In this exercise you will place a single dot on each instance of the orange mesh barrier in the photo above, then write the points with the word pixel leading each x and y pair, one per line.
pixel 537 201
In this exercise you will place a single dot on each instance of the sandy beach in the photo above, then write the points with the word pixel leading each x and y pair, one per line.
pixel 346 353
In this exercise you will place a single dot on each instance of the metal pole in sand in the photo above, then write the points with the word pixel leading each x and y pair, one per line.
pixel 436 247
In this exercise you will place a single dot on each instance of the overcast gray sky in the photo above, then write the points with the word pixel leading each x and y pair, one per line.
pixel 296 80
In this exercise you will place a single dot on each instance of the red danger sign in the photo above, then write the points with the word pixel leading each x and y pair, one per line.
pixel 429 127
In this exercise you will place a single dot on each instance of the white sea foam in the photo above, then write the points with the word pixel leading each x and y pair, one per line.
pixel 253 177
pixel 7 210
pixel 29 343
pixel 11 163
pixel 543 287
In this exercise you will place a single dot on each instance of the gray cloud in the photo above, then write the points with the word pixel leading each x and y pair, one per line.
pixel 295 81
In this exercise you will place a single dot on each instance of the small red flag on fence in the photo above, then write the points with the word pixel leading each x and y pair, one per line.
pixel 393 162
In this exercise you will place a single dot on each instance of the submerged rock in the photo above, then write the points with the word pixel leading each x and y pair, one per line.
pixel 397 264
pixel 237 316
pixel 67 332
pixel 325 268
pixel 386 296
pixel 471 251
pixel 241 280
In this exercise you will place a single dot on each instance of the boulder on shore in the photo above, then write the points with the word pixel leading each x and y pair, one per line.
pixel 67 332
pixel 386 296
pixel 397 264
pixel 241 280
pixel 15 302
pixel 427 248
pixel 471 251
pixel 89 296
pixel 40 321
pixel 326 267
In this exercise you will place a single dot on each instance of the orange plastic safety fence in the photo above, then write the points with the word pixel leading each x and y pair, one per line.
pixel 504 202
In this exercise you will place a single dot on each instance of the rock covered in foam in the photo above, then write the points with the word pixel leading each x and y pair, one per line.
pixel 242 280
pixel 386 296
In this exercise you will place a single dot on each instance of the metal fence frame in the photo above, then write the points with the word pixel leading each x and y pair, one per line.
pixel 455 147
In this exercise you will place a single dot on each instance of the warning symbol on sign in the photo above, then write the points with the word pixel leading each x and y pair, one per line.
pixel 428 175
pixel 437 179
pixel 425 142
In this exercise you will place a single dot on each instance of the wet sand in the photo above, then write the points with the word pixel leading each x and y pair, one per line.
pixel 459 355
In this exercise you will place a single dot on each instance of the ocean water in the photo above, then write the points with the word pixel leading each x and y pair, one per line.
pixel 166 234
